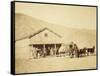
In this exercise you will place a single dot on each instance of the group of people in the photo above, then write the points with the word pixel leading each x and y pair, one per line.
pixel 40 52
pixel 70 50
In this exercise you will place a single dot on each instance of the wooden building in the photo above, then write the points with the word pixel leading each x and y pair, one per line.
pixel 43 39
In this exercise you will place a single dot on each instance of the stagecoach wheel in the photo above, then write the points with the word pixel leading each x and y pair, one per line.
pixel 71 55
pixel 87 54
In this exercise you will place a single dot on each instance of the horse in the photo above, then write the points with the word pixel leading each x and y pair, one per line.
pixel 82 52
pixel 91 50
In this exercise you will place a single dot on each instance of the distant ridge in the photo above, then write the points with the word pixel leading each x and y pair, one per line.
pixel 26 25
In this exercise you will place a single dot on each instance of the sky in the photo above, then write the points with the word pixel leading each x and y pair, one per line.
pixel 65 15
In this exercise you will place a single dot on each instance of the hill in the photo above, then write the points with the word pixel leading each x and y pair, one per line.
pixel 26 25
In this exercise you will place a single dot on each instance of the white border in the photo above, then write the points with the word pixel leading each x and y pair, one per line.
pixel 5 38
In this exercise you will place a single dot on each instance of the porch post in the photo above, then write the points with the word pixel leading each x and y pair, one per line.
pixel 44 51
pixel 55 49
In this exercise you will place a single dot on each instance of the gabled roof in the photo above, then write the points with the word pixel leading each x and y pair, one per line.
pixel 43 30
pixel 38 33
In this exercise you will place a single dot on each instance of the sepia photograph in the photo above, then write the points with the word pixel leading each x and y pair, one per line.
pixel 51 37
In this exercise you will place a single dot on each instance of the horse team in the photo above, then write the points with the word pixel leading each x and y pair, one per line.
pixel 70 50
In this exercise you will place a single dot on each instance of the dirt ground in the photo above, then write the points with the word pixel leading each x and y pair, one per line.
pixel 55 64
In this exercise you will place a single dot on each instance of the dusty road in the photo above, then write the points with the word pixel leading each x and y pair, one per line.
pixel 55 64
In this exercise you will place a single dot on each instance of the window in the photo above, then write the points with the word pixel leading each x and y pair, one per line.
pixel 45 34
